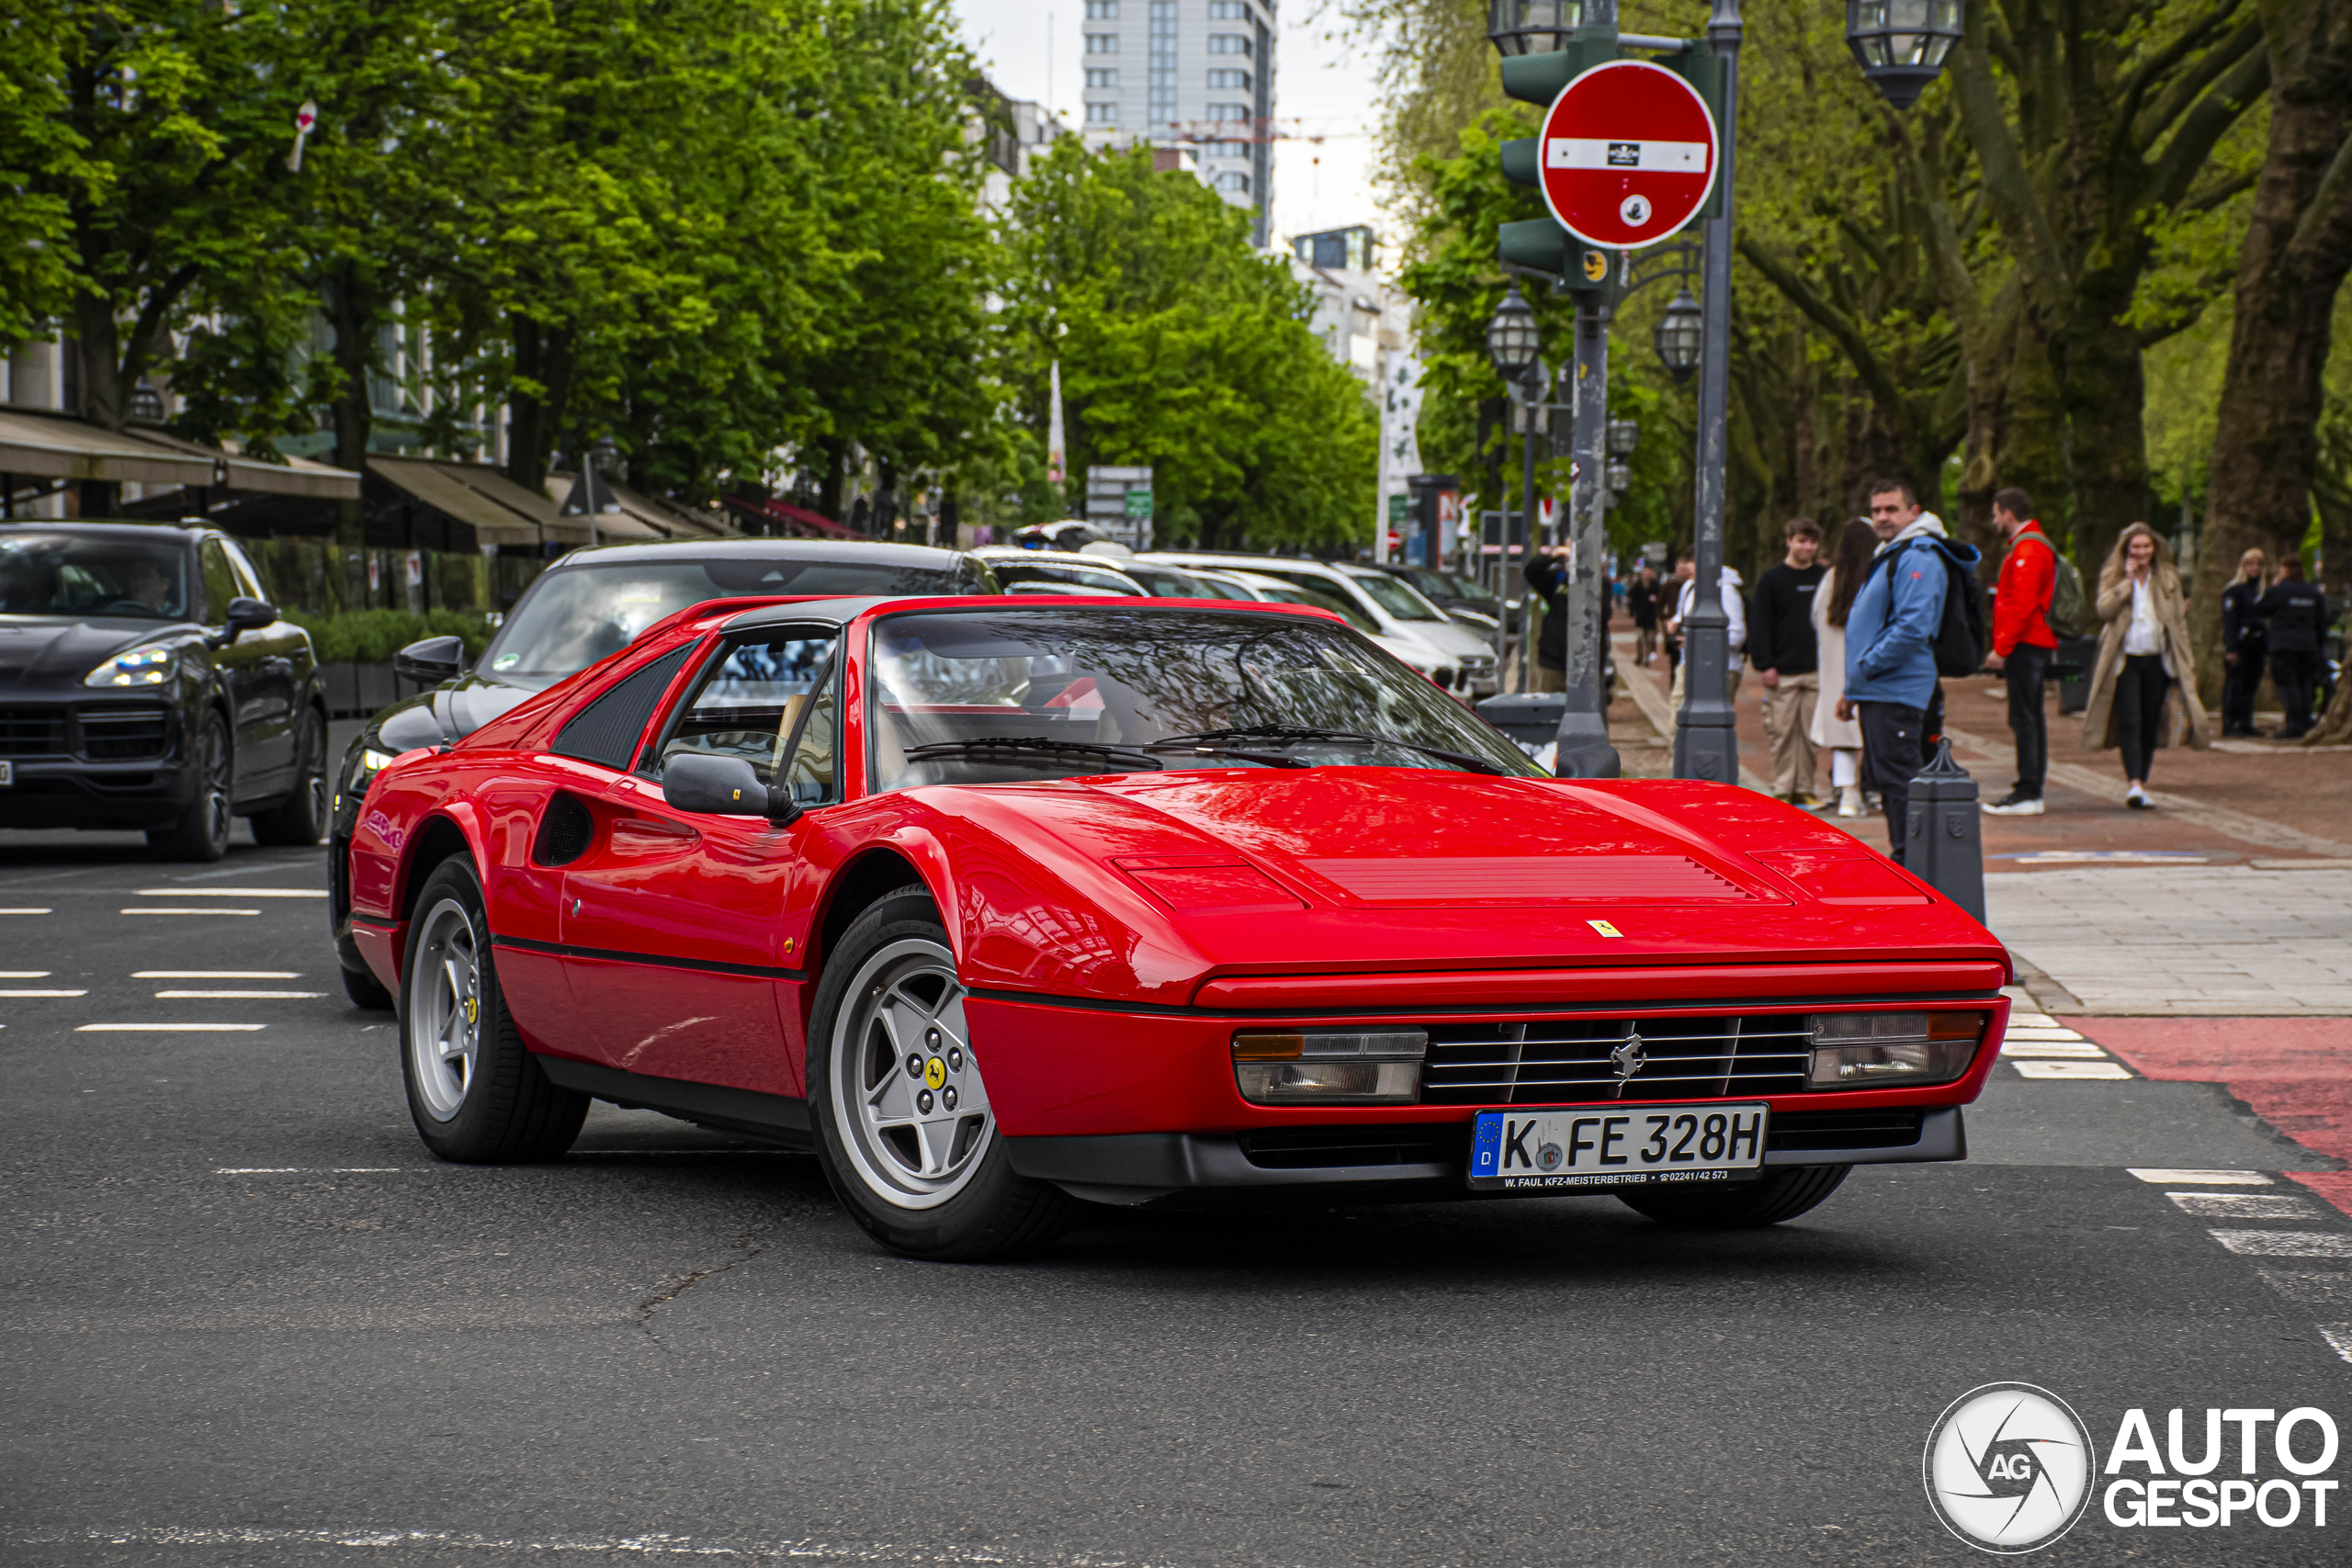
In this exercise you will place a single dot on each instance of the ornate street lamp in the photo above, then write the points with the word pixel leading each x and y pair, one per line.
pixel 1532 26
pixel 1901 44
pixel 1677 335
pixel 1619 474
pixel 1512 341
pixel 1624 434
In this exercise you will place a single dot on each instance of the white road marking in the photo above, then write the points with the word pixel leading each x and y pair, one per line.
pixel 656 1544
pixel 216 974
pixel 233 893
pixel 28 993
pixel 2245 1206
pixel 159 909
pixel 308 1171
pixel 23 911
pixel 2160 1176
pixel 2285 1243
pixel 242 996
pixel 2104 1071
pixel 2323 1287
pixel 2030 1032
pixel 169 1027
pixel 24 974
pixel 2339 1339
pixel 2079 1048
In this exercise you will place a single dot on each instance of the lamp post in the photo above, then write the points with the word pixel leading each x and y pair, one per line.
pixel 1532 26
pixel 1901 44
pixel 1515 345
pixel 1678 335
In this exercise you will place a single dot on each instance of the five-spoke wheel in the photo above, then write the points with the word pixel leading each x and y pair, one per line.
pixel 444 1024
pixel 907 1092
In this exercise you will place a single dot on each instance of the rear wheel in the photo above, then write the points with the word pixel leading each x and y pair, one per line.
pixel 1781 1196
pixel 905 1130
pixel 476 1095
pixel 303 817
pixel 202 831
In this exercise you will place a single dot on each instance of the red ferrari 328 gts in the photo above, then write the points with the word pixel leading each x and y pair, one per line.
pixel 1003 905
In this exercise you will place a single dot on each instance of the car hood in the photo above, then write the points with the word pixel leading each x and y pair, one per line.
pixel 1449 637
pixel 37 647
pixel 448 713
pixel 1358 869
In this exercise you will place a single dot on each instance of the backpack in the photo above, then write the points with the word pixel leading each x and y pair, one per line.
pixel 1960 641
pixel 2069 611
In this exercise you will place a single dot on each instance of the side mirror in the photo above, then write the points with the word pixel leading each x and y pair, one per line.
pixel 720 786
pixel 250 615
pixel 430 660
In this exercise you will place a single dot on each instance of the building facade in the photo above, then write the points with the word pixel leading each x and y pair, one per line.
pixel 1366 324
pixel 1194 75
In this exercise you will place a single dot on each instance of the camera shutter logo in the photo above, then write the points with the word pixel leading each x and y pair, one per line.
pixel 2008 1468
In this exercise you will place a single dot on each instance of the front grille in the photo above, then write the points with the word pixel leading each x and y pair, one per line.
pixel 1804 1129
pixel 1303 1148
pixel 32 732
pixel 1553 1061
pixel 121 735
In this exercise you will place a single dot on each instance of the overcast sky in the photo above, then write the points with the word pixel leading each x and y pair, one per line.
pixel 1321 87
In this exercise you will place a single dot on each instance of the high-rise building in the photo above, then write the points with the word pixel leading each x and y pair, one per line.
pixel 1195 74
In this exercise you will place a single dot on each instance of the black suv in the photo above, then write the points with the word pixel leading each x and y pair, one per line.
pixel 146 683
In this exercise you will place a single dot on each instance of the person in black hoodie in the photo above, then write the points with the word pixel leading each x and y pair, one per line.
pixel 2243 643
pixel 1547 573
pixel 1780 645
pixel 2294 613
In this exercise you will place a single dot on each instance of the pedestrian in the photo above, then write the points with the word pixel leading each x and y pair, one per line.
pixel 2294 615
pixel 2143 659
pixel 1832 601
pixel 2245 641
pixel 2023 644
pixel 1670 628
pixel 1891 645
pixel 1781 646
pixel 1547 575
pixel 1641 603
pixel 1735 635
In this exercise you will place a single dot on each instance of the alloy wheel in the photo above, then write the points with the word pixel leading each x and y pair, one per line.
pixel 213 780
pixel 906 1095
pixel 444 1010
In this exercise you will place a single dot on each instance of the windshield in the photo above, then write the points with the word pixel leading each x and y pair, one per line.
pixel 1167 582
pixel 1396 596
pixel 80 574
pixel 987 696
pixel 1290 593
pixel 573 615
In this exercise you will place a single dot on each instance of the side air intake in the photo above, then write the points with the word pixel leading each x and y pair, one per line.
pixel 564 831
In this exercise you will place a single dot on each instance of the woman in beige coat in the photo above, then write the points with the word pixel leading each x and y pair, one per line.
pixel 1831 599
pixel 2143 657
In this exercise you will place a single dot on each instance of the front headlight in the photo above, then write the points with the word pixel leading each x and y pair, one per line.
pixel 1328 1067
pixel 138 667
pixel 372 761
pixel 1893 1050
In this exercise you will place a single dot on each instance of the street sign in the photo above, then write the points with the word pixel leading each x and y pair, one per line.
pixel 1118 503
pixel 1628 154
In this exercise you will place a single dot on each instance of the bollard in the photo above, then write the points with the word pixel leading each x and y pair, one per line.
pixel 1531 719
pixel 1943 843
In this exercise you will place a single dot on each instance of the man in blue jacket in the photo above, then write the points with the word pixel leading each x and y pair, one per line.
pixel 1891 645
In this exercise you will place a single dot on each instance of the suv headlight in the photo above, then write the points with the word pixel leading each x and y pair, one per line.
pixel 1893 1050
pixel 138 666
pixel 1329 1068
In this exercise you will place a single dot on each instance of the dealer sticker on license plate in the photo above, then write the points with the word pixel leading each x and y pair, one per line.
pixel 1616 1145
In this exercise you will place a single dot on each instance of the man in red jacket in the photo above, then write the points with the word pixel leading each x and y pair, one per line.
pixel 2023 643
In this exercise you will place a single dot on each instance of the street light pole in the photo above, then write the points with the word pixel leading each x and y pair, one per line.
pixel 1705 744
pixel 1582 750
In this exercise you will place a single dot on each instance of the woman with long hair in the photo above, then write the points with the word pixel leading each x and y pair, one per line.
pixel 1831 601
pixel 2144 659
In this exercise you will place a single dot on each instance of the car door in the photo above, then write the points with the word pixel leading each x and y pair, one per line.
pixel 242 680
pixel 280 654
pixel 675 923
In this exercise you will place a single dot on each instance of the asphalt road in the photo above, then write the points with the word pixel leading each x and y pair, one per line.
pixel 248 1319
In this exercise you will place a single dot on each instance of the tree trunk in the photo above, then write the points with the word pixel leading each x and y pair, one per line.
pixel 2031 455
pixel 2104 389
pixel 353 323
pixel 545 359
pixel 2298 248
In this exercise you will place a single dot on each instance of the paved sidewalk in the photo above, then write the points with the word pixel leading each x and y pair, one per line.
pixel 2210 940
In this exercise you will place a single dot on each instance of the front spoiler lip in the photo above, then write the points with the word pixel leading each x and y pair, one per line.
pixel 1131 1169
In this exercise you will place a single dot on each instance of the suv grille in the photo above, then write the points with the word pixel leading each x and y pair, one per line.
pixel 32 732
pixel 1552 1060
pixel 115 735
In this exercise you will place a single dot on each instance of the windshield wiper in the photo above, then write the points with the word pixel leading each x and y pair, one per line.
pixel 1029 743
pixel 1288 734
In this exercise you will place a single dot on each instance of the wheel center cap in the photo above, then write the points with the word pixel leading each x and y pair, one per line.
pixel 934 1073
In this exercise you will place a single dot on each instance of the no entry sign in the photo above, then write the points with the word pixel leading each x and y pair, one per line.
pixel 1628 154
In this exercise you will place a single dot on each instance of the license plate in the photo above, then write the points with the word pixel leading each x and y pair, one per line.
pixel 7 774
pixel 1615 1145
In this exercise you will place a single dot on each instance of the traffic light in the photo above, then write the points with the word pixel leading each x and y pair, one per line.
pixel 1541 244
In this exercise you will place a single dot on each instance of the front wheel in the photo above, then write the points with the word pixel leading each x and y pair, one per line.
pixel 905 1131
pixel 476 1095
pixel 202 831
pixel 1783 1195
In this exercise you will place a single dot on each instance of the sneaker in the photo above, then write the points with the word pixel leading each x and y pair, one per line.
pixel 2014 805
pixel 1804 802
pixel 1850 801
pixel 2137 799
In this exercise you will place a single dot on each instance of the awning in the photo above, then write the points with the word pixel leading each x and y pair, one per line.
pixel 791 516
pixel 499 511
pixel 58 447
pixel 624 513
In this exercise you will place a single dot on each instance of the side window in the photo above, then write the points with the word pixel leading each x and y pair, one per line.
pixel 606 731
pixel 248 579
pixel 752 701
pixel 220 582
pixel 810 771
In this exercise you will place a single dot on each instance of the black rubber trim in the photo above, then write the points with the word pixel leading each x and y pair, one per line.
pixel 1601 1009
pixel 778 1116
pixel 374 925
pixel 610 955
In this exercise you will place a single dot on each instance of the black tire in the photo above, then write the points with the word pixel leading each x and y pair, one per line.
pixel 498 1108
pixel 989 1211
pixel 202 831
pixel 365 991
pixel 301 819
pixel 1784 1195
